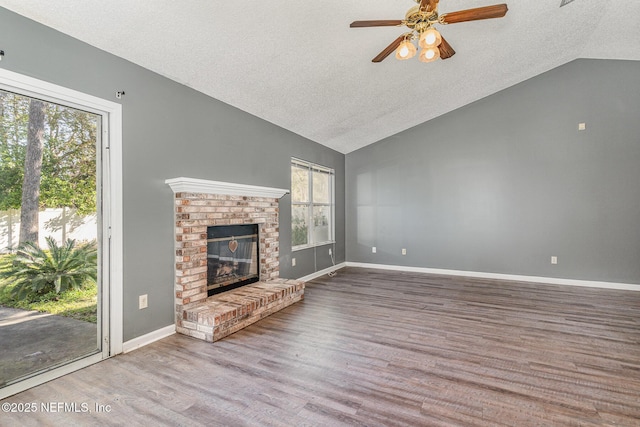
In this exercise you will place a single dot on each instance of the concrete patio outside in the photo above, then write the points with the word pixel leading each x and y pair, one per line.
pixel 31 341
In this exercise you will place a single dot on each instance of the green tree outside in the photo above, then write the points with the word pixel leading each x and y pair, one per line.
pixel 69 155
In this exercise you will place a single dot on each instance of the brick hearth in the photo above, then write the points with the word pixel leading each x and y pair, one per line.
pixel 228 312
pixel 212 318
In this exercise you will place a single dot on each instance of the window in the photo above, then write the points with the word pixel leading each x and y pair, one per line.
pixel 312 204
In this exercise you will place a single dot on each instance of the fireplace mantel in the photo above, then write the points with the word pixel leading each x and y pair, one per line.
pixel 194 185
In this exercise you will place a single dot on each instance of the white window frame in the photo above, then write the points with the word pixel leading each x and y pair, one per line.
pixel 112 221
pixel 310 204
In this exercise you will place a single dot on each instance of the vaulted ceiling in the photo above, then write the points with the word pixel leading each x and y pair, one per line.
pixel 300 66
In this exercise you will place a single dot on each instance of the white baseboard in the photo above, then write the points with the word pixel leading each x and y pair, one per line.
pixel 513 277
pixel 145 339
pixel 322 272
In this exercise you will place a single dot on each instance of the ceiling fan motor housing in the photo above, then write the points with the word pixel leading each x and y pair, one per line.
pixel 418 20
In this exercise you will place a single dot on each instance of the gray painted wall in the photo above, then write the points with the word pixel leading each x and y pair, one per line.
pixel 169 131
pixel 503 184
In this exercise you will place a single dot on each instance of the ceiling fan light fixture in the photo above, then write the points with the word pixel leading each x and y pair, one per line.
pixel 405 50
pixel 422 20
pixel 429 54
pixel 430 38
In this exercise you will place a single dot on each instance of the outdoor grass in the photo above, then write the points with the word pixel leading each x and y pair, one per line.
pixel 80 304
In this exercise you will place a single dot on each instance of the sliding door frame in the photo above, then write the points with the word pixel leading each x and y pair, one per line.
pixel 110 172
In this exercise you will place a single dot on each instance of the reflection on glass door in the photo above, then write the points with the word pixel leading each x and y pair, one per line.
pixel 50 275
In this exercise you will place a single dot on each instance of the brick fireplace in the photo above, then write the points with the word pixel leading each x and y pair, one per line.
pixel 200 204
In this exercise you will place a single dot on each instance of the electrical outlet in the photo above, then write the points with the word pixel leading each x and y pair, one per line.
pixel 143 301
pixel 373 250
pixel 293 262
pixel 330 253
pixel 404 251
pixel 582 126
pixel 554 260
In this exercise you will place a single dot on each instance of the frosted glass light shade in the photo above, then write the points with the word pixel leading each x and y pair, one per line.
pixel 405 50
pixel 430 38
pixel 430 54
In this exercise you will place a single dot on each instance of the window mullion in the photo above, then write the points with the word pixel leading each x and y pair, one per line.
pixel 310 207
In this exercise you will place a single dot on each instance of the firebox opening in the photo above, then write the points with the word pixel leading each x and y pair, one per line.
pixel 232 257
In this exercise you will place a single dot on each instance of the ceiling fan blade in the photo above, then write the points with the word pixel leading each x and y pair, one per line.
pixel 487 12
pixel 429 5
pixel 378 23
pixel 446 51
pixel 387 50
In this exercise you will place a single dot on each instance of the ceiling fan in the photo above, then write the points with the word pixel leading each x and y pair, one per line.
pixel 421 20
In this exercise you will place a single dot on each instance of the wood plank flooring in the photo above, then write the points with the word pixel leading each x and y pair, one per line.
pixel 383 348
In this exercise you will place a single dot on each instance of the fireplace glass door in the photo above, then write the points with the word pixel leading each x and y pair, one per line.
pixel 232 257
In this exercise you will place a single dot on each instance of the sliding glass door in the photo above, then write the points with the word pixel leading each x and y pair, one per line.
pixel 54 242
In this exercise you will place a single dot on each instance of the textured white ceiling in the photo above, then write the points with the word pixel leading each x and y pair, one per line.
pixel 300 66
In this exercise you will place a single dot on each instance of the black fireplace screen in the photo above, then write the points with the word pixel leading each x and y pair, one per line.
pixel 232 257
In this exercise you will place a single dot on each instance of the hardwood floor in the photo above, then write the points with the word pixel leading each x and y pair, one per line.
pixel 373 347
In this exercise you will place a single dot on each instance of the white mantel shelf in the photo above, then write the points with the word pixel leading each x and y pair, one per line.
pixel 194 185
